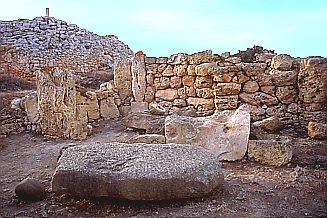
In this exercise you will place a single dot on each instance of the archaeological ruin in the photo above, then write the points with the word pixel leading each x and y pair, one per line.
pixel 202 106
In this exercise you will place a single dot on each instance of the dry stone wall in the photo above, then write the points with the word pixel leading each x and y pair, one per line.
pixel 30 45
pixel 268 84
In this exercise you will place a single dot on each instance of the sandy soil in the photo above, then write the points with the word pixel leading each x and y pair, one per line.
pixel 250 189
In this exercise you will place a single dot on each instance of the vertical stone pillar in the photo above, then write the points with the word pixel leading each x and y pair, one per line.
pixel 312 83
pixel 123 81
pixel 139 83
pixel 56 93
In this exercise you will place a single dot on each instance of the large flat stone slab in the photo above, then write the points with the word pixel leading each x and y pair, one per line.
pixel 225 134
pixel 137 171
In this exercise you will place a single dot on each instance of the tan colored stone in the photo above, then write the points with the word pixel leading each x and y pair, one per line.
pixel 148 138
pixel 223 134
pixel 205 93
pixel 123 80
pixel 178 102
pixel 287 94
pixel 227 89
pixel 224 77
pixel 226 102
pixel 254 69
pixel 175 82
pixel 282 62
pixel 168 71
pixel 188 80
pixel 167 94
pixel 180 70
pixel 180 58
pixel 149 79
pixel 30 105
pixel 258 99
pixel 162 82
pixel 250 87
pixel 149 94
pixel 201 57
pixel 270 124
pixel 206 69
pixel 270 90
pixel 284 78
pixel 191 70
pixel 155 108
pixel 196 102
pixel 190 91
pixel 108 108
pixel 317 130
pixel 138 78
pixel 276 152
pixel 203 82
pixel 139 107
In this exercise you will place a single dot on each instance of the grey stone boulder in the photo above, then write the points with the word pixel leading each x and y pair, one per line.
pixel 224 134
pixel 137 171
pixel 274 152
pixel 30 189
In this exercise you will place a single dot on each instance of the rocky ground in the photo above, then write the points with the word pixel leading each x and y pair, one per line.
pixel 249 190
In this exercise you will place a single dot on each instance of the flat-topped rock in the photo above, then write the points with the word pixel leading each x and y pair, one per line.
pixel 137 171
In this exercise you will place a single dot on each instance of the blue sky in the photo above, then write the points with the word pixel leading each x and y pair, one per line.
pixel 164 27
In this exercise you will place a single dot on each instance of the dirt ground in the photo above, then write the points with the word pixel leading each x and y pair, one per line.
pixel 250 189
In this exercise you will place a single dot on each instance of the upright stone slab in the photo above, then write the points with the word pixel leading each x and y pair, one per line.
pixel 139 77
pixel 123 81
pixel 56 92
pixel 137 171
pixel 224 134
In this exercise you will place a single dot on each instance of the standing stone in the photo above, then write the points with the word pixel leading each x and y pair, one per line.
pixel 138 78
pixel 56 92
pixel 224 134
pixel 137 171
pixel 123 81
pixel 30 105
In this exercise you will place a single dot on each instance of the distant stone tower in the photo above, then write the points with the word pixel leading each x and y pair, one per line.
pixel 47 12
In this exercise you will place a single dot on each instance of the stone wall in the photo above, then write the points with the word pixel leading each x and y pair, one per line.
pixel 30 45
pixel 294 89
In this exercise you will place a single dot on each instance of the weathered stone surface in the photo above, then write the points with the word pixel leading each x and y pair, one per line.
pixel 284 78
pixel 108 108
pixel 317 130
pixel 224 134
pixel 167 94
pixel 270 124
pixel 162 82
pixel 180 58
pixel 282 62
pixel 141 120
pixel 137 171
pixel 196 102
pixel 30 105
pixel 139 107
pixel 201 57
pixel 148 138
pixel 287 94
pixel 226 102
pixel 30 189
pixel 206 69
pixel 205 93
pixel 168 71
pixel 227 89
pixel 175 82
pixel 123 80
pixel 275 152
pixel 16 103
pixel 254 69
pixel 250 87
pixel 203 82
pixel 180 70
pixel 270 90
pixel 258 99
pixel 312 84
pixel 56 92
pixel 138 78
pixel 156 109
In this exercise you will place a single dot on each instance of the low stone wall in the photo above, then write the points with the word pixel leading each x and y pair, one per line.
pixel 293 89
